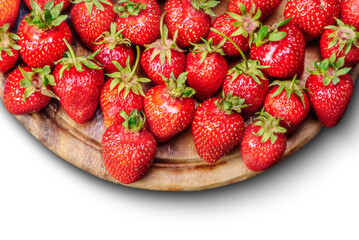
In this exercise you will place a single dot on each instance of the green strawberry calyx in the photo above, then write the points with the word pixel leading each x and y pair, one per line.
pixel 290 87
pixel 270 34
pixel 270 127
pixel 205 5
pixel 126 77
pixel 37 81
pixel 47 18
pixel 207 47
pixel 250 68
pixel 128 8
pixel 177 87
pixel 90 3
pixel 133 122
pixel 8 41
pixel 113 38
pixel 230 103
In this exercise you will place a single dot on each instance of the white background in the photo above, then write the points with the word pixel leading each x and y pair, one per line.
pixel 311 195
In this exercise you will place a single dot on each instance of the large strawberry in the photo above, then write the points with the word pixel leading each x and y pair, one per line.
pixel 266 7
pixel 191 18
pixel 206 69
pixel 42 3
pixel 263 143
pixel 140 20
pixel 128 149
pixel 27 90
pixel 42 35
pixel 341 40
pixel 9 9
pixel 330 89
pixel 91 18
pixel 218 127
pixel 282 47
pixel 311 16
pixel 9 50
pixel 122 92
pixel 79 81
pixel 169 107
pixel 349 12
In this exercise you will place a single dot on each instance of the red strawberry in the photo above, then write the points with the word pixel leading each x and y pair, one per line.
pixel 91 21
pixel 42 36
pixel 140 20
pixel 163 57
pixel 42 3
pixel 217 127
pixel 311 16
pixel 192 19
pixel 9 10
pixel 350 12
pixel 9 51
pixel 79 81
pixel 263 143
pixel 341 40
pixel 330 89
pixel 128 149
pixel 113 48
pixel 278 45
pixel 266 7
pixel 287 100
pixel 169 107
pixel 27 90
pixel 122 92
pixel 206 69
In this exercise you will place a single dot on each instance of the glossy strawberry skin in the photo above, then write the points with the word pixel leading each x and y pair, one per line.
pixel 9 11
pixel 42 3
pixel 120 54
pixel 329 102
pixel 166 115
pixel 127 154
pixel 13 96
pixel 7 61
pixel 79 92
pixel 190 23
pixel 259 156
pixel 267 7
pixel 143 28
pixel 207 77
pixel 290 50
pixel 89 28
pixel 350 12
pixel 215 132
pixel 311 16
pixel 40 48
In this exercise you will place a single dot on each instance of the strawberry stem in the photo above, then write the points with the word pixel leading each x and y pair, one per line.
pixel 161 29
pixel 72 52
pixel 136 64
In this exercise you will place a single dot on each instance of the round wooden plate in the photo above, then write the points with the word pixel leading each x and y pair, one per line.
pixel 177 166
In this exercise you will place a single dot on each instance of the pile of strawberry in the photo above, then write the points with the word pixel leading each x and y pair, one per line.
pixel 185 56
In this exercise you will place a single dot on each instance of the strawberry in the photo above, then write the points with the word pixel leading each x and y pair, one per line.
pixel 128 149
pixel 169 107
pixel 42 3
pixel 122 92
pixel 191 18
pixel 266 7
pixel 163 57
pixel 330 89
pixel 140 20
pixel 206 68
pixel 277 45
pixel 218 127
pixel 79 81
pixel 287 100
pixel 311 16
pixel 27 90
pixel 91 21
pixel 42 35
pixel 9 51
pixel 263 143
pixel 9 9
pixel 113 47
pixel 341 40
pixel 350 12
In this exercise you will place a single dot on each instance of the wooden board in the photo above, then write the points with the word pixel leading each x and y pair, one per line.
pixel 177 166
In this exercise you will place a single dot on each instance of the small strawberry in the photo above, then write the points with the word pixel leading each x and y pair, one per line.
pixel 169 107
pixel 41 35
pixel 206 68
pixel 27 90
pixel 91 18
pixel 341 40
pixel 191 18
pixel 140 20
pixel 349 12
pixel 113 48
pixel 311 16
pixel 122 92
pixel 9 50
pixel 42 3
pixel 263 143
pixel 287 100
pixel 79 81
pixel 266 7
pixel 218 127
pixel 9 9
pixel 128 149
pixel 163 57
pixel 330 89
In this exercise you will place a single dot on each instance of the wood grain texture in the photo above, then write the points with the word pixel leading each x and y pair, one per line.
pixel 177 166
